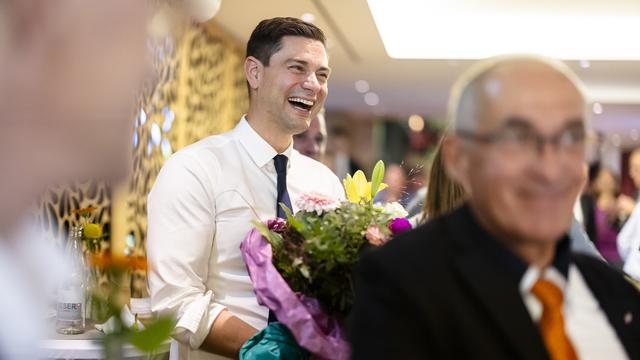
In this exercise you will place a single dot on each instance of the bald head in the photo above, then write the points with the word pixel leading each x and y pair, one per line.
pixel 491 81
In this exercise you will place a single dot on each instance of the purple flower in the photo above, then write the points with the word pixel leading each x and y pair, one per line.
pixel 277 225
pixel 399 225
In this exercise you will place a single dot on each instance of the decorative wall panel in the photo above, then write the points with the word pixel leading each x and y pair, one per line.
pixel 201 91
pixel 198 89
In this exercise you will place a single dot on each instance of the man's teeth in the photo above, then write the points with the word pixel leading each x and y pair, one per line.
pixel 303 101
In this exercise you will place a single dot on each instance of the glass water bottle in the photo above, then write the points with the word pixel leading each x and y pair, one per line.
pixel 70 309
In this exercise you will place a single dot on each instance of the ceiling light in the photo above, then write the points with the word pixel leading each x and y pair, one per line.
pixel 202 10
pixel 371 99
pixel 442 29
pixel 597 108
pixel 416 123
pixel 585 64
pixel 634 134
pixel 362 86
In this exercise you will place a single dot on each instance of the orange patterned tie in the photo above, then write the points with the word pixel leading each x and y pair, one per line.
pixel 552 323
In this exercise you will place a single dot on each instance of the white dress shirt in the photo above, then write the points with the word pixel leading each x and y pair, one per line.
pixel 199 210
pixel 586 324
pixel 629 244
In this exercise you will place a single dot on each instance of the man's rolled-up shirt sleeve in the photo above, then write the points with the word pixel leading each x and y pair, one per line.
pixel 181 227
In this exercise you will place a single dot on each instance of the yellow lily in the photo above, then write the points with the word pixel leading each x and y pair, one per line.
pixel 358 188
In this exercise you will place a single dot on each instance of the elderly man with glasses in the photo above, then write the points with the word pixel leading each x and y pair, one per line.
pixel 496 279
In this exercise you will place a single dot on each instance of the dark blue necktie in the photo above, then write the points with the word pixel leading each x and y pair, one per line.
pixel 280 161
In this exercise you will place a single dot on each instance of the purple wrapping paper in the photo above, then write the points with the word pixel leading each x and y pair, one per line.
pixel 313 329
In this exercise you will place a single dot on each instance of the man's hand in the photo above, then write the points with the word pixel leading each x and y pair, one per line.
pixel 227 335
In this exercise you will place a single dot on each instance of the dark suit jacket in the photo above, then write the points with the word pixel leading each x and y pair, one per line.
pixel 441 292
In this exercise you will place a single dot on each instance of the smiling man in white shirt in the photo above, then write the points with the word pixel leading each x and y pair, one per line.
pixel 206 195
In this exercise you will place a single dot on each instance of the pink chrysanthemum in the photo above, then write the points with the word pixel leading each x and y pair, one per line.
pixel 319 203
pixel 375 236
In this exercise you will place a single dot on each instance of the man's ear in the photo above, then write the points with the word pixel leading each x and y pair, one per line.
pixel 253 71
pixel 456 161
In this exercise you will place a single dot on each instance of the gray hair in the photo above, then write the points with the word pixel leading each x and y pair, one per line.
pixel 464 99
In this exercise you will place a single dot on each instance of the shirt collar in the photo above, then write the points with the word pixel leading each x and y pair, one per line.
pixel 260 151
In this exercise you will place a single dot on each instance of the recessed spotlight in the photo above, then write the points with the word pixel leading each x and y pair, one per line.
pixel 597 108
pixel 585 64
pixel 371 98
pixel 362 86
pixel 416 123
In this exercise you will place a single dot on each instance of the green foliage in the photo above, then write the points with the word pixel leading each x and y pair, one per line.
pixel 151 337
pixel 273 238
pixel 109 302
pixel 377 175
pixel 317 254
pixel 291 220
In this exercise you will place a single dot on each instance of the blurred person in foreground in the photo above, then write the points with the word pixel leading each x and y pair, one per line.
pixel 207 194
pixel 445 195
pixel 495 278
pixel 68 80
pixel 313 141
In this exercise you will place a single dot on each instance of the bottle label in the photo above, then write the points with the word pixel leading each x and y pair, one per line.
pixel 70 304
pixel 69 311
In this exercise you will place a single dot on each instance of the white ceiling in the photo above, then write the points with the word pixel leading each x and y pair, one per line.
pixel 406 87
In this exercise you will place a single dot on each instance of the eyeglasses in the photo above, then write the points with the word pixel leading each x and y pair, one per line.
pixel 518 138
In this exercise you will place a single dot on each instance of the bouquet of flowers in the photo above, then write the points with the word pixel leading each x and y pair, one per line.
pixel 302 268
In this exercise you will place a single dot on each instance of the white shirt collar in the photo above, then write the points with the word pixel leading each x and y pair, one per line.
pixel 260 151
pixel 533 273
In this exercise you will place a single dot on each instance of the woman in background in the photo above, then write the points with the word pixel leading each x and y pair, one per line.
pixel 605 191
pixel 443 195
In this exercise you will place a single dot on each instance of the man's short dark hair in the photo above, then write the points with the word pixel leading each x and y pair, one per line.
pixel 266 38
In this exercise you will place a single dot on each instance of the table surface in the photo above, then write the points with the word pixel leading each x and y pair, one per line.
pixel 88 345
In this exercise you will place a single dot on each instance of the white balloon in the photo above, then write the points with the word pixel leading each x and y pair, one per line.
pixel 202 10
